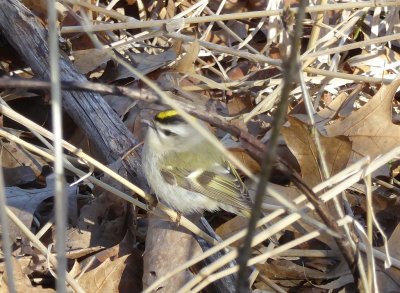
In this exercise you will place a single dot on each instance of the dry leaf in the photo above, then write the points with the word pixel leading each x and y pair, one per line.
pixel 143 62
pixel 370 129
pixel 24 203
pixel 285 269
pixel 13 155
pixel 186 63
pixel 375 64
pixel 331 109
pixel 122 274
pixel 21 281
pixel 90 59
pixel 231 227
pixel 246 159
pixel 300 142
pixel 239 104
pixel 18 175
pixel 167 246
pixel 103 221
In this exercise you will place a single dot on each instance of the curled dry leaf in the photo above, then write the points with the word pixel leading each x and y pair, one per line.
pixel 18 175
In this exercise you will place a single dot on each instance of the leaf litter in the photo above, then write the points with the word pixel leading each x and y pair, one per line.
pixel 217 69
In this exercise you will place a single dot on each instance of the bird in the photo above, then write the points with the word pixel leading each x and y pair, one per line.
pixel 187 172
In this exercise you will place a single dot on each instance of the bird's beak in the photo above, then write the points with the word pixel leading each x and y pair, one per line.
pixel 149 123
pixel 152 125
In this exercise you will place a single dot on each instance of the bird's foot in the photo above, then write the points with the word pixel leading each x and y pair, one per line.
pixel 178 218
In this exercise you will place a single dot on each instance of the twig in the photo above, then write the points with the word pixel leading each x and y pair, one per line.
pixel 261 258
pixel 353 77
pixel 316 27
pixel 56 111
pixel 112 13
pixel 368 187
pixel 357 171
pixel 71 168
pixel 356 45
pixel 5 236
pixel 224 17
pixel 227 50
pixel 347 245
pixel 290 70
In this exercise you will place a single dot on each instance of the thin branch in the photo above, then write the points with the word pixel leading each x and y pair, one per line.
pixel 255 146
pixel 355 45
pixel 344 179
pixel 316 27
pixel 111 13
pixel 290 70
pixel 5 236
pixel 56 111
pixel 225 17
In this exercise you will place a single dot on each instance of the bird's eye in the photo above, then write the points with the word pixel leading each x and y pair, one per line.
pixel 168 133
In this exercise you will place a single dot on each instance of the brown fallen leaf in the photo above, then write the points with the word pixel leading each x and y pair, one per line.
pixel 89 59
pixel 300 142
pixel 286 269
pixel 21 281
pixel 246 159
pixel 370 129
pixel 13 155
pixel 168 245
pixel 186 63
pixel 239 104
pixel 232 227
pixel 122 274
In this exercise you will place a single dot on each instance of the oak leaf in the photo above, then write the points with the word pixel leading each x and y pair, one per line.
pixel 300 142
pixel 370 129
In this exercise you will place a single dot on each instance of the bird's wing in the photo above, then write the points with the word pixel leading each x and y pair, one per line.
pixel 219 182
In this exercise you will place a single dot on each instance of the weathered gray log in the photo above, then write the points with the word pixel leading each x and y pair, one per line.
pixel 89 110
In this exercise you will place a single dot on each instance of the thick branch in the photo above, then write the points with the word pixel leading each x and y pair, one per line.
pixel 88 109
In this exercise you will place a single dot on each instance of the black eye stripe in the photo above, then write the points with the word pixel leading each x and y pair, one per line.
pixel 168 133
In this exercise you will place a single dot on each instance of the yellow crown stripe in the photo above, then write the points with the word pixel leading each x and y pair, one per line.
pixel 166 114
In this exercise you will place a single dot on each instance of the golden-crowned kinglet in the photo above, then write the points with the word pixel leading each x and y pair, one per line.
pixel 188 173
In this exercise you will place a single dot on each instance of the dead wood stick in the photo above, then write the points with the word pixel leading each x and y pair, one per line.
pixel 89 110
